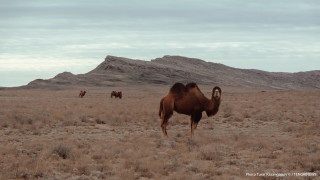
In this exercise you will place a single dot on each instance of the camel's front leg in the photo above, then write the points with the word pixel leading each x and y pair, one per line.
pixel 195 118
pixel 193 127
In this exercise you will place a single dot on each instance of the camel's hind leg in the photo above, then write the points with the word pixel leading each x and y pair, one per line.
pixel 165 113
pixel 164 122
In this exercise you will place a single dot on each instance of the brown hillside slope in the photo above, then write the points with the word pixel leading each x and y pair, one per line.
pixel 169 69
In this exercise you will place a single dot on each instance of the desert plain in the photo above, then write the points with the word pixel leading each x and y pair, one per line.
pixel 257 134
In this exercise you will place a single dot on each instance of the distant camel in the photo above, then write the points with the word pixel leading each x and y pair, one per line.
pixel 82 93
pixel 116 94
pixel 188 100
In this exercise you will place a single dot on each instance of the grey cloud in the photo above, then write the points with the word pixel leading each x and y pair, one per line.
pixel 231 11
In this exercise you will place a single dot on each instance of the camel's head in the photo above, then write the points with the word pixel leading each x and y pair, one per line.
pixel 216 93
pixel 213 106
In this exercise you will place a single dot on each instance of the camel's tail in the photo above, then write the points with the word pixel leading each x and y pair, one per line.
pixel 161 107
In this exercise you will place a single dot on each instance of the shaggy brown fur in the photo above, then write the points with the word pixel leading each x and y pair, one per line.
pixel 188 100
pixel 82 93
pixel 116 94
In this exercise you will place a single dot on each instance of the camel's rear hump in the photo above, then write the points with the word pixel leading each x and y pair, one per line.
pixel 178 88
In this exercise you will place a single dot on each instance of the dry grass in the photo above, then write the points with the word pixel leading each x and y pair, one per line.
pixel 56 135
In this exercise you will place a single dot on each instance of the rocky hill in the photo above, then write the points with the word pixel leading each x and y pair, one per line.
pixel 170 69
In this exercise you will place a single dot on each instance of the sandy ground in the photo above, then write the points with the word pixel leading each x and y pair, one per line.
pixel 47 134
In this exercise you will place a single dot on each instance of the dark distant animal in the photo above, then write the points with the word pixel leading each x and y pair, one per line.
pixel 116 94
pixel 188 100
pixel 82 93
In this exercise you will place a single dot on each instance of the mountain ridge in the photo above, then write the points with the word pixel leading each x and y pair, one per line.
pixel 170 69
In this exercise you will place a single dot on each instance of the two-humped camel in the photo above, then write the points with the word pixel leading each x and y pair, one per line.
pixel 188 100
pixel 116 94
pixel 82 93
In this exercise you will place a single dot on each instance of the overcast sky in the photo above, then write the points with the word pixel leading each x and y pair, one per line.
pixel 41 38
